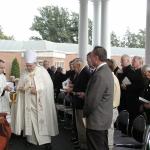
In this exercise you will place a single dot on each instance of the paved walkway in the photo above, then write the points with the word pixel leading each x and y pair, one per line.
pixel 62 142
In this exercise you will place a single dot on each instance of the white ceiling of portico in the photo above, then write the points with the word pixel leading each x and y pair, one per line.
pixel 94 0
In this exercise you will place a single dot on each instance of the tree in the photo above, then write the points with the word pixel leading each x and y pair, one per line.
pixel 141 38
pixel 115 41
pixel 73 27
pixel 35 38
pixel 58 25
pixel 15 69
pixel 134 40
pixel 5 37
pixel 130 39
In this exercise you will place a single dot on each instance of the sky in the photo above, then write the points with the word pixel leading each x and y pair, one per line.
pixel 16 16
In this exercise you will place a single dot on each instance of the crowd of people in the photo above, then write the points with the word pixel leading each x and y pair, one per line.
pixel 97 91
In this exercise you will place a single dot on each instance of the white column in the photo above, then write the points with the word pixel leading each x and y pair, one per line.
pixel 83 29
pixel 96 23
pixel 105 29
pixel 147 45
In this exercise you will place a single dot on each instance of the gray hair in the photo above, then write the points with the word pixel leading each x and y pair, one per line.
pixel 146 68
pixel 100 52
pixel 139 58
pixel 78 61
pixel 125 56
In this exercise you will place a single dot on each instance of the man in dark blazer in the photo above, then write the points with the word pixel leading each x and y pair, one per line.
pixel 80 84
pixel 79 88
pixel 98 108
pixel 70 74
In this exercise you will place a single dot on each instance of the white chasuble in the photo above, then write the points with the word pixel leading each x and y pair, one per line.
pixel 36 114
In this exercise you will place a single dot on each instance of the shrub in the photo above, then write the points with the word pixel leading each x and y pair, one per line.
pixel 15 69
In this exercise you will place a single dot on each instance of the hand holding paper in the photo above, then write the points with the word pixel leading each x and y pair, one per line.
pixel 126 81
pixel 144 100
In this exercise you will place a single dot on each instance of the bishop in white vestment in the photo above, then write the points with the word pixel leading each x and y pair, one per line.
pixel 35 111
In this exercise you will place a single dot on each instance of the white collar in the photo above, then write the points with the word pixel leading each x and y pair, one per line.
pixel 102 64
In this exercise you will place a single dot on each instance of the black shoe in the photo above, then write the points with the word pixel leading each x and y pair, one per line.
pixel 74 140
pixel 46 146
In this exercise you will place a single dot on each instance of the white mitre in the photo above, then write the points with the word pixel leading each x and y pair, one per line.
pixel 30 56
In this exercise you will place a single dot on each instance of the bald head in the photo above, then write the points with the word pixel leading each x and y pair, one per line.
pixel 125 60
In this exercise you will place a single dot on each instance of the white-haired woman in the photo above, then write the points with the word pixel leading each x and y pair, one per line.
pixel 145 96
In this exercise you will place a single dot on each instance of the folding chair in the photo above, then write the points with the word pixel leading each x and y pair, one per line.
pixel 138 133
pixel 65 108
pixel 138 128
pixel 123 122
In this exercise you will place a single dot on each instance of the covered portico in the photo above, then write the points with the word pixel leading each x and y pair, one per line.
pixel 101 27
pixel 101 32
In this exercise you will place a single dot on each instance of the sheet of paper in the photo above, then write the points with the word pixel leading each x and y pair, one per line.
pixel 126 81
pixel 144 100
pixel 84 121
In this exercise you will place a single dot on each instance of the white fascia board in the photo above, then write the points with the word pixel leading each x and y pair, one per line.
pixel 11 51
pixel 49 54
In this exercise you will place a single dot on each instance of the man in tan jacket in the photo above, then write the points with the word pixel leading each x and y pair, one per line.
pixel 116 103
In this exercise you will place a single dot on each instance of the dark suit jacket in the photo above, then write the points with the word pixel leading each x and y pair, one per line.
pixel 58 79
pixel 146 95
pixel 130 95
pixel 70 74
pixel 146 91
pixel 80 85
pixel 51 73
pixel 98 108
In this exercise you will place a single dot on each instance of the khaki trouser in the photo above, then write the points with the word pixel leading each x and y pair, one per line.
pixel 111 129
